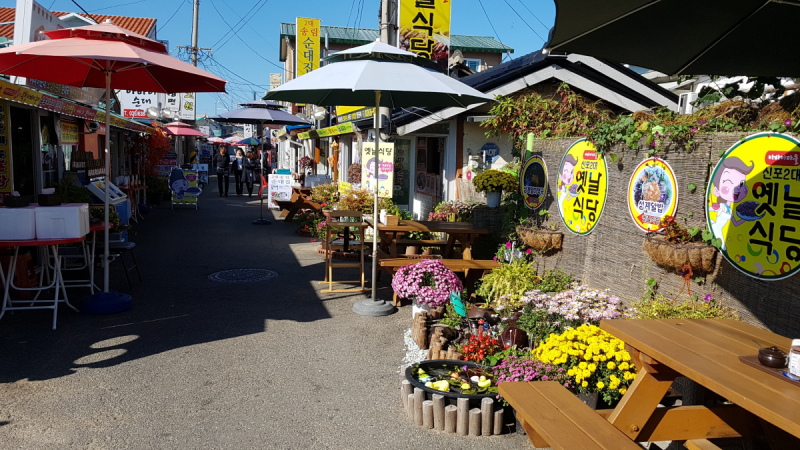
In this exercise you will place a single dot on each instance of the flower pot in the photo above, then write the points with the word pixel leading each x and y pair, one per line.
pixel 540 240
pixel 412 250
pixel 493 199
pixel 417 308
pixel 326 212
pixel 699 257
pixel 590 399
pixel 427 252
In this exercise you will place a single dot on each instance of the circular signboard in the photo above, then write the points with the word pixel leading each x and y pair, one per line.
pixel 533 182
pixel 753 205
pixel 582 187
pixel 652 194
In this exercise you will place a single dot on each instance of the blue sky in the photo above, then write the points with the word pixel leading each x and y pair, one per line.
pixel 248 69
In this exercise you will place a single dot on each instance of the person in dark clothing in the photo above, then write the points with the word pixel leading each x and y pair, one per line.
pixel 238 170
pixel 251 168
pixel 223 163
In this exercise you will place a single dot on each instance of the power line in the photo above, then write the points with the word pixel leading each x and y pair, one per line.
pixel 115 6
pixel 534 15
pixel 170 17
pixel 492 25
pixel 524 21
pixel 85 12
pixel 236 32
pixel 263 2
pixel 251 27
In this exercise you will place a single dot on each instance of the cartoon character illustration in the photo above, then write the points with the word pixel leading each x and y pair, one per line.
pixel 730 187
pixel 180 185
pixel 565 179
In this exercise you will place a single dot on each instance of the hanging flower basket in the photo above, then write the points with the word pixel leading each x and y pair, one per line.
pixel 541 240
pixel 699 257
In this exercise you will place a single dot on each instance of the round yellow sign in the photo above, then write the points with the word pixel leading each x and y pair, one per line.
pixel 753 205
pixel 582 187
pixel 652 193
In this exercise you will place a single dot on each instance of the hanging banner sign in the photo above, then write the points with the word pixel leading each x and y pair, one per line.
pixel 345 128
pixel 582 187
pixel 275 80
pixel 425 29
pixel 753 205
pixel 69 132
pixel 307 35
pixel 280 189
pixel 385 171
pixel 533 182
pixel 652 194
pixel 350 113
pixel 134 104
pixel 187 111
pixel 6 185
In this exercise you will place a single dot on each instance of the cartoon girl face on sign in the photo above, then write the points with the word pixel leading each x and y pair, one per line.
pixel 567 172
pixel 730 187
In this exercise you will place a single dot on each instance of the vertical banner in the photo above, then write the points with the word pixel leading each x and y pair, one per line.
pixel 753 205
pixel 385 171
pixel 425 29
pixel 280 189
pixel 582 187
pixel 275 80
pixel 307 35
pixel 187 106
pixel 6 185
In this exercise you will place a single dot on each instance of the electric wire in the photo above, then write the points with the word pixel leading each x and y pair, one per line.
pixel 492 26
pixel 251 27
pixel 183 2
pixel 525 21
pixel 534 15
pixel 262 2
pixel 85 12
pixel 236 32
pixel 115 6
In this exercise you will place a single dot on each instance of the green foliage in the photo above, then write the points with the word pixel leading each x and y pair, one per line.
pixel 325 194
pixel 495 180
pixel 70 193
pixel 655 306
pixel 539 324
pixel 511 280
pixel 554 281
pixel 495 359
pixel 451 317
pixel 692 187
pixel 156 184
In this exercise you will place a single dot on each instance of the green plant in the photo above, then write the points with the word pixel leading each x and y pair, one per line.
pixel 362 200
pixel 306 220
pixel 70 193
pixel 554 281
pixel 497 358
pixel 509 280
pixel 656 306
pixel 451 317
pixel 325 194
pixel 156 184
pixel 494 180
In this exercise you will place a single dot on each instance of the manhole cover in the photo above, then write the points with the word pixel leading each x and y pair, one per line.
pixel 243 275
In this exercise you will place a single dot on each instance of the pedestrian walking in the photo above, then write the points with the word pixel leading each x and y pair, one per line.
pixel 251 168
pixel 223 164
pixel 238 171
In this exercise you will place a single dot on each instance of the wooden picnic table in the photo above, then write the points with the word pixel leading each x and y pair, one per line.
pixel 463 233
pixel 706 351
pixel 301 199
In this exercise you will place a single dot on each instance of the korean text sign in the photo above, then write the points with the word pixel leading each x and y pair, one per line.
pixel 534 182
pixel 582 187
pixel 5 150
pixel 425 29
pixel 385 170
pixel 753 205
pixel 307 47
pixel 652 194
pixel 280 189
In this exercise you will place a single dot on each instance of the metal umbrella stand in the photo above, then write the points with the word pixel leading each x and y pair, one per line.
pixel 388 77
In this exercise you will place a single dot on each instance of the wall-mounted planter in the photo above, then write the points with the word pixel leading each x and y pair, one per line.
pixel 699 257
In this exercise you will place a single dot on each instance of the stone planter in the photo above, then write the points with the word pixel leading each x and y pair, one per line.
pixel 699 257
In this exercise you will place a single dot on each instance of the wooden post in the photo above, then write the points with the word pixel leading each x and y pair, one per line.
pixel 405 390
pixel 463 417
pixel 438 412
pixel 410 407
pixel 427 414
pixel 457 355
pixel 419 397
pixel 487 414
pixel 450 353
pixel 498 421
pixel 442 354
pixel 474 422
pixel 450 414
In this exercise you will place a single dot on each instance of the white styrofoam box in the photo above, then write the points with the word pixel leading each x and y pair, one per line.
pixel 70 220
pixel 17 224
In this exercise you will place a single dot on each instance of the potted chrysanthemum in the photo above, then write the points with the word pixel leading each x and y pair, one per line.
pixel 427 284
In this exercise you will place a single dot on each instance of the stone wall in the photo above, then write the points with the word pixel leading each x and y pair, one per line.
pixel 612 256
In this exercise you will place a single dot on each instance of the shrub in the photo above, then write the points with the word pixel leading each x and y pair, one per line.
pixel 494 180
pixel 658 307
pixel 325 194
pixel 453 210
pixel 508 280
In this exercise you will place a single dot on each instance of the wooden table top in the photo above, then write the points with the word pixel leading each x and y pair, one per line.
pixel 707 351
pixel 432 227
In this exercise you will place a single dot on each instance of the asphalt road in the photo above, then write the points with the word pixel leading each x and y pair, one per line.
pixel 198 364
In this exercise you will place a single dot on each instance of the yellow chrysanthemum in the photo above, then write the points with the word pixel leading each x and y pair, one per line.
pixel 611 365
pixel 585 384
pixel 623 390
pixel 600 385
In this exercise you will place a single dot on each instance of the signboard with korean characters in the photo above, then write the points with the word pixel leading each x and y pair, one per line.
pixel 582 187
pixel 425 29
pixel 384 171
pixel 652 194
pixel 187 111
pixel 533 181
pixel 753 205
pixel 280 189
pixel 307 44
pixel 134 104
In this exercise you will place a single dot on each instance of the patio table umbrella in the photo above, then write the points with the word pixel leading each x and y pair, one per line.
pixel 249 141
pixel 215 140
pixel 721 37
pixel 106 56
pixel 382 75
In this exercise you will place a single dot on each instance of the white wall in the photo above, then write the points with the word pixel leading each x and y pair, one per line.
pixel 475 138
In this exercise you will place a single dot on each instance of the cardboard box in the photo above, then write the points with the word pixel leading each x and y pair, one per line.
pixel 70 220
pixel 18 224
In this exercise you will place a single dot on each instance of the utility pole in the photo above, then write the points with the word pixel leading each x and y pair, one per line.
pixel 195 31
pixel 386 29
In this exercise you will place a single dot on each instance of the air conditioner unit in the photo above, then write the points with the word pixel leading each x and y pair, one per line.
pixel 685 103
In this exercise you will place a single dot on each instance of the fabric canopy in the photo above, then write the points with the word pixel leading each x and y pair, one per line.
pixel 257 116
pixel 184 131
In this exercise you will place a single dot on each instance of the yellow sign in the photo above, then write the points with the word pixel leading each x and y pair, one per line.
pixel 425 29
pixel 582 187
pixel 344 187
pixel 69 133
pixel 384 170
pixel 6 186
pixel 336 130
pixel 753 205
pixel 350 113
pixel 307 45
pixel 652 194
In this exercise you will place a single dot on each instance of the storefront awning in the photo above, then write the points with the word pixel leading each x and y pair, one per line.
pixel 344 128
pixel 33 97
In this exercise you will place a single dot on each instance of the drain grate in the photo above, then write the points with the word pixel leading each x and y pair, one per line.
pixel 243 275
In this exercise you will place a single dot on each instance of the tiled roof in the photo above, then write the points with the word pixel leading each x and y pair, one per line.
pixel 360 36
pixel 139 25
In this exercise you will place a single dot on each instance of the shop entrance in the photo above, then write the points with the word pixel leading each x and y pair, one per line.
pixel 23 156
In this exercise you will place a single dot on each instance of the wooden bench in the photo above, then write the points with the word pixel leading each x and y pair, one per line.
pixel 554 417
pixel 419 243
pixel 700 444
pixel 292 207
pixel 473 269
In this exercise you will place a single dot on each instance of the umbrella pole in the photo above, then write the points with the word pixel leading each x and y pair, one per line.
pixel 262 220
pixel 108 179
pixel 373 306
